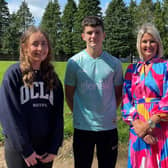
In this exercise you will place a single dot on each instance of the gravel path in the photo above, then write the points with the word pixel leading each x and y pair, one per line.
pixel 65 157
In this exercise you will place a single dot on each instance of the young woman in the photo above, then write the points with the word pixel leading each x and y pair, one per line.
pixel 31 104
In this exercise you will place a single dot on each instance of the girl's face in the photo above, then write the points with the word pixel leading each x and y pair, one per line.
pixel 148 46
pixel 37 49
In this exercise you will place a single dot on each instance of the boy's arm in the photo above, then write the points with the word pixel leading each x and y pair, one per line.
pixel 69 94
pixel 118 93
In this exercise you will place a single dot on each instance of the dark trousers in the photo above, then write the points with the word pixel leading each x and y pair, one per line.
pixel 106 143
pixel 15 160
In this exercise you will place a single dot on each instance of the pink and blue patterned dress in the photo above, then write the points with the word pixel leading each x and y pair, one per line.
pixel 145 92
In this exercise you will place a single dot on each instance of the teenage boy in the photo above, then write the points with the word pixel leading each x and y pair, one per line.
pixel 93 89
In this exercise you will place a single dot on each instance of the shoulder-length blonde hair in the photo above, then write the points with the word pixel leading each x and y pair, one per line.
pixel 150 29
pixel 46 68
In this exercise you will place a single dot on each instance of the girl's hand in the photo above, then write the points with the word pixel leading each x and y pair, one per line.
pixel 32 159
pixel 48 158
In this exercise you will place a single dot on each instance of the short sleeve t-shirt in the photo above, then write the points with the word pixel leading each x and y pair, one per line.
pixel 94 79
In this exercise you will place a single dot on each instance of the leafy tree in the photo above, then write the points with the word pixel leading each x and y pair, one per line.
pixel 145 12
pixel 24 17
pixel 85 8
pixel 164 31
pixel 158 18
pixel 51 24
pixel 11 39
pixel 132 10
pixel 4 21
pixel 67 28
pixel 118 32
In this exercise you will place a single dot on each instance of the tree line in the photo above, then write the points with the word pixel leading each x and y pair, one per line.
pixel 64 29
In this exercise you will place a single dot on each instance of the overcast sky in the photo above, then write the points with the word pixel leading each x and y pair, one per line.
pixel 37 7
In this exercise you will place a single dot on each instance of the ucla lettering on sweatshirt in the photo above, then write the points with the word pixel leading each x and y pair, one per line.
pixel 31 115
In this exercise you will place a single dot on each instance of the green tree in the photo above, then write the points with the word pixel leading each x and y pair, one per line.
pixel 85 8
pixel 67 28
pixel 118 32
pixel 158 18
pixel 164 31
pixel 145 12
pixel 51 24
pixel 4 21
pixel 132 10
pixel 11 39
pixel 24 17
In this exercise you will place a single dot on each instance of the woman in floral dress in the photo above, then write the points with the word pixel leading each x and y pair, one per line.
pixel 145 103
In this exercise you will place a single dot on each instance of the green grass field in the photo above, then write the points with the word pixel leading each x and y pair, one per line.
pixel 60 69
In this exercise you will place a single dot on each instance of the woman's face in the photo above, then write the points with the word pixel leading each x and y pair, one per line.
pixel 148 46
pixel 37 49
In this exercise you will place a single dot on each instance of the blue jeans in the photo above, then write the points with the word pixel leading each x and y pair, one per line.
pixel 106 143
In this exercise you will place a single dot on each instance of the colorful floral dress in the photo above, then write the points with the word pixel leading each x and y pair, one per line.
pixel 145 93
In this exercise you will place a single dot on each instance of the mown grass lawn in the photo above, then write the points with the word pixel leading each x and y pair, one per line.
pixel 68 129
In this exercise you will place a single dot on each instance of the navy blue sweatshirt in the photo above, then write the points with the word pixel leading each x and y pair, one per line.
pixel 31 118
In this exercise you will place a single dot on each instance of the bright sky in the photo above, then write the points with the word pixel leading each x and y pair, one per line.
pixel 37 7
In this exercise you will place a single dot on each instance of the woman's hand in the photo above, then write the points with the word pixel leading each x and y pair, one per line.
pixel 32 159
pixel 48 158
pixel 149 139
pixel 141 128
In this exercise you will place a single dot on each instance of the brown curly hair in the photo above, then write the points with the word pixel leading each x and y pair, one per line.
pixel 46 68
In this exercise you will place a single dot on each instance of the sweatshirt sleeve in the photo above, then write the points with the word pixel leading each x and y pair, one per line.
pixel 11 116
pixel 58 121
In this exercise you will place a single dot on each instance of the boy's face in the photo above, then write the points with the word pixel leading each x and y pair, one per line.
pixel 93 36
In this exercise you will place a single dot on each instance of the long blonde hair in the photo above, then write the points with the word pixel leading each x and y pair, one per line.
pixel 46 68
pixel 150 29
